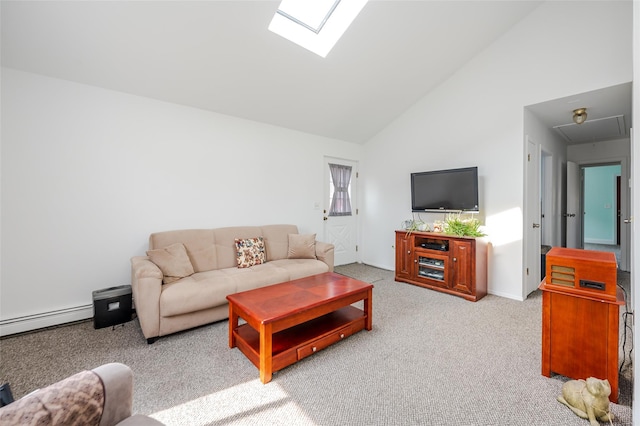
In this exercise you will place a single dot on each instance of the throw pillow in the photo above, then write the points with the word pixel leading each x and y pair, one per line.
pixel 173 261
pixel 250 251
pixel 302 246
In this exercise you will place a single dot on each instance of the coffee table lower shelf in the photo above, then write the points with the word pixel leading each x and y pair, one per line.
pixel 295 343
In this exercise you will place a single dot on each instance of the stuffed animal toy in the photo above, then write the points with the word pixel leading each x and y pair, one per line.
pixel 588 399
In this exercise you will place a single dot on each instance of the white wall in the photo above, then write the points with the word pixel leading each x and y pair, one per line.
pixel 88 174
pixel 476 118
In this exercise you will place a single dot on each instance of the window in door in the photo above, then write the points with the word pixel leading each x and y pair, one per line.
pixel 340 190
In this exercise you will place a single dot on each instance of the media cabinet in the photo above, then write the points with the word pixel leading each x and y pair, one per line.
pixel 441 262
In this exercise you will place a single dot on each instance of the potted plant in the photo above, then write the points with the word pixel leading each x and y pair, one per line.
pixel 455 224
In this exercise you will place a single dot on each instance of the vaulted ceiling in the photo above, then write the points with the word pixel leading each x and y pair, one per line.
pixel 219 56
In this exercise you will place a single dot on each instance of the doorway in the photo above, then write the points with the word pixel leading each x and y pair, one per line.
pixel 602 140
pixel 601 207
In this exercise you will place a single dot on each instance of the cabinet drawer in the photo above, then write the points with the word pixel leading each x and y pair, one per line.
pixel 328 340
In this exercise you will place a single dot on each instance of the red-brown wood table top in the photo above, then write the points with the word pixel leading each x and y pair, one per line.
pixel 289 321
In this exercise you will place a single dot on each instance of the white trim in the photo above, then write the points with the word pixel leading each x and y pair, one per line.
pixel 45 319
pixel 506 295
pixel 599 241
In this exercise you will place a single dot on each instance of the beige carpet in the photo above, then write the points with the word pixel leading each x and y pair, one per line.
pixel 431 359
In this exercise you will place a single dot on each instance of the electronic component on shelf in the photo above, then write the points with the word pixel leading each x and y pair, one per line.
pixel 441 246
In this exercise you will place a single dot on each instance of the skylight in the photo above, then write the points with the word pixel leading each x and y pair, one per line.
pixel 315 25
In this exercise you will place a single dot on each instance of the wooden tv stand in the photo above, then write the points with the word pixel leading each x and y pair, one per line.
pixel 441 262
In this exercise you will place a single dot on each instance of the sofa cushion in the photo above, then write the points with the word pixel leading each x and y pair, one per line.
pixel 300 268
pixel 257 276
pixel 173 261
pixel 199 291
pixel 250 251
pixel 302 246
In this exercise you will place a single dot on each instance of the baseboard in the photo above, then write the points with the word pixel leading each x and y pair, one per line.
pixel 375 265
pixel 506 295
pixel 598 241
pixel 45 319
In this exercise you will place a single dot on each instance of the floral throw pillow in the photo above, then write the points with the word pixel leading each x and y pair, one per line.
pixel 250 251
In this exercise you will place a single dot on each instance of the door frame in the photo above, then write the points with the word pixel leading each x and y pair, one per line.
pixel 625 205
pixel 532 261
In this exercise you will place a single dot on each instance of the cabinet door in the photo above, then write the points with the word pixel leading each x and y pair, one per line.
pixel 431 267
pixel 403 255
pixel 462 260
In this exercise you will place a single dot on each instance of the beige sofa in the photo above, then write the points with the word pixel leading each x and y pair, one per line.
pixel 186 276
pixel 101 397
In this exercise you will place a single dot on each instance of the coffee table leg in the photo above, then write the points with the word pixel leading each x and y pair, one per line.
pixel 233 324
pixel 266 352
pixel 368 310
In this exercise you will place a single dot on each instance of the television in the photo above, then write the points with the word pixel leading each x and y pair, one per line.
pixel 451 190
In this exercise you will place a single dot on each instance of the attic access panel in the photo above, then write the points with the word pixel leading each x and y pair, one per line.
pixel 595 130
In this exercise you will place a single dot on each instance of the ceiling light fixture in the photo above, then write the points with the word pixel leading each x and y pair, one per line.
pixel 579 115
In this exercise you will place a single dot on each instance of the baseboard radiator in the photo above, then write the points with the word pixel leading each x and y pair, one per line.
pixel 45 319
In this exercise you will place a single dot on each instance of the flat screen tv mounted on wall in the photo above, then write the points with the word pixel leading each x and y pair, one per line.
pixel 450 190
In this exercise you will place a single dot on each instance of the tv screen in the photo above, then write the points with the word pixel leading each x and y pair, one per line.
pixel 445 190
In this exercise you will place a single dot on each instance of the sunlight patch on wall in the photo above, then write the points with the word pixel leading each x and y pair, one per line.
pixel 501 227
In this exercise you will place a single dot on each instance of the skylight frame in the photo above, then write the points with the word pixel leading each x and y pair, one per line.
pixel 322 39
pixel 307 26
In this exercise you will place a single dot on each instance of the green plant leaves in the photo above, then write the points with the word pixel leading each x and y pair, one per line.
pixel 457 225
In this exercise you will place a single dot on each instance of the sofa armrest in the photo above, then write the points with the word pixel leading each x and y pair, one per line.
pixel 324 252
pixel 146 286
pixel 117 380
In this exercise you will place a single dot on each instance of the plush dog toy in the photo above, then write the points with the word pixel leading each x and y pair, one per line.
pixel 588 399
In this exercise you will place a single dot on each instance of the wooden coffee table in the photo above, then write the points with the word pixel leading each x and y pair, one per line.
pixel 289 321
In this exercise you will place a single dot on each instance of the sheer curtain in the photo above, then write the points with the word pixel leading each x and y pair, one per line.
pixel 340 202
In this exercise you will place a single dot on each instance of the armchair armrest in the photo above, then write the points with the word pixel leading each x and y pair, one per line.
pixel 117 380
pixel 324 252
pixel 146 286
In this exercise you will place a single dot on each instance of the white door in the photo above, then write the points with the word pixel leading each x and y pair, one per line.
pixel 532 220
pixel 340 228
pixel 573 215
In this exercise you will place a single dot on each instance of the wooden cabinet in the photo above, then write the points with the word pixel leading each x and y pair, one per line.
pixel 581 316
pixel 446 263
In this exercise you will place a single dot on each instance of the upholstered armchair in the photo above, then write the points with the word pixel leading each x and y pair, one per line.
pixel 101 397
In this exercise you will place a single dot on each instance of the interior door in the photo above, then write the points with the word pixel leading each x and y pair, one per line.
pixel 532 220
pixel 341 230
pixel 573 215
